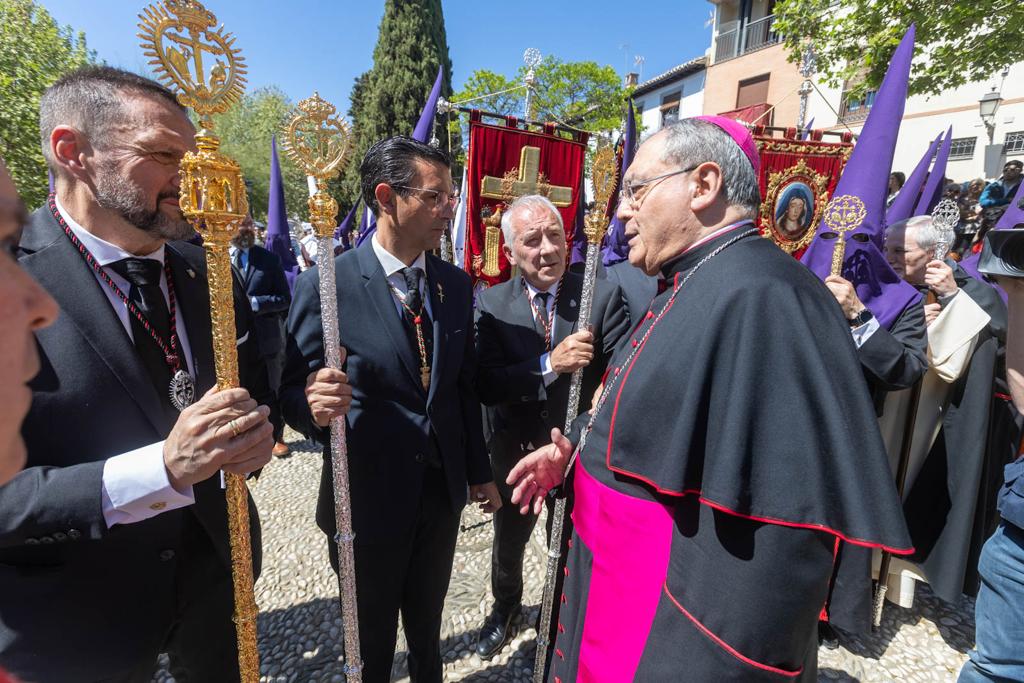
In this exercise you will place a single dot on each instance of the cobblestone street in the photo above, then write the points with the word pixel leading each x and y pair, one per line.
pixel 300 622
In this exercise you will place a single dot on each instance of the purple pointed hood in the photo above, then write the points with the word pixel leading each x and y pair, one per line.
pixel 426 123
pixel 1014 214
pixel 345 227
pixel 903 206
pixel 936 183
pixel 279 237
pixel 866 177
pixel 616 246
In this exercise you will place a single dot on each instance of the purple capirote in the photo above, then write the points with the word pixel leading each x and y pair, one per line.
pixel 866 177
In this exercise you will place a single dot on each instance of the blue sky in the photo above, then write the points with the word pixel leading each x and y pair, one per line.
pixel 302 45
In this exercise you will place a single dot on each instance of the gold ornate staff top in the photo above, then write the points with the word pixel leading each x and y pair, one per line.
pixel 604 172
pixel 843 214
pixel 320 144
pixel 195 58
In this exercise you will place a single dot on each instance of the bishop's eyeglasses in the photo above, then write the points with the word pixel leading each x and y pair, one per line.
pixel 628 193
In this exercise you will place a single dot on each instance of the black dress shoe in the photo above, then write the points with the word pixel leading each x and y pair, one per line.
pixel 495 632
pixel 827 635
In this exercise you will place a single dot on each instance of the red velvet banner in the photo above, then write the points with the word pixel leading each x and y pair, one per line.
pixel 497 158
pixel 797 180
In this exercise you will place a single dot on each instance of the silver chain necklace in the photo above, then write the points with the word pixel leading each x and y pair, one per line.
pixel 636 349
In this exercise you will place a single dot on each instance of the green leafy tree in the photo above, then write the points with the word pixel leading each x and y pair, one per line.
pixel 854 39
pixel 583 95
pixel 387 100
pixel 245 131
pixel 34 52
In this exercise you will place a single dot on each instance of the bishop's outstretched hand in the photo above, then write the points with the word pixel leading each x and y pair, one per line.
pixel 539 472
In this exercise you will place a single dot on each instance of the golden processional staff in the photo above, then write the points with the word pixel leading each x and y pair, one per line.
pixel 605 171
pixel 319 142
pixel 193 56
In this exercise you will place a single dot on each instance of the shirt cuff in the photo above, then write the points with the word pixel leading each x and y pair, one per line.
pixel 546 371
pixel 136 487
pixel 254 303
pixel 863 332
pixel 944 300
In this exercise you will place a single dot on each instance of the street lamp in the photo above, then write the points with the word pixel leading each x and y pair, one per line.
pixel 988 105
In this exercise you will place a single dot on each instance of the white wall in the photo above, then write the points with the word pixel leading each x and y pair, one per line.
pixel 691 102
pixel 925 117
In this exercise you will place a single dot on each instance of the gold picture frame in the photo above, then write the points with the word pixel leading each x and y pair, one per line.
pixel 798 182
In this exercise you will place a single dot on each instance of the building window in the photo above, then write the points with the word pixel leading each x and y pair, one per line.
pixel 752 91
pixel 670 108
pixel 962 148
pixel 1014 143
pixel 857 108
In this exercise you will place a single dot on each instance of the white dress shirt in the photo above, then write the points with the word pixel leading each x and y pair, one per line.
pixel 547 371
pixel 135 485
pixel 393 271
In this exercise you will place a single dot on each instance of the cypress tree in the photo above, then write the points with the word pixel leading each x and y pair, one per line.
pixel 387 99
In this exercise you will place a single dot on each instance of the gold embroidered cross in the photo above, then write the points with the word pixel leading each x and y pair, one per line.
pixel 528 181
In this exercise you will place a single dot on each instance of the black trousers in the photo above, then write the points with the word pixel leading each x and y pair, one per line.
pixel 407 579
pixel 201 643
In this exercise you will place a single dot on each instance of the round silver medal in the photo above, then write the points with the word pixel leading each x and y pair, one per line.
pixel 183 390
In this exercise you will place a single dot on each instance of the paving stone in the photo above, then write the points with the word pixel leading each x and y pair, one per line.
pixel 300 627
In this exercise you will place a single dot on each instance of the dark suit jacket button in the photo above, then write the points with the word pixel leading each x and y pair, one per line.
pixel 543 414
pixel 419 457
pixel 74 534
pixel 31 541
pixel 166 555
pixel 526 399
pixel 46 539
pixel 60 536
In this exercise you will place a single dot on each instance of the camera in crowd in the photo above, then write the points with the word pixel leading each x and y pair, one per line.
pixel 1003 252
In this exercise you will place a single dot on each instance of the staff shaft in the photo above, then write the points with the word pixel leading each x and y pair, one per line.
pixel 558 516
pixel 339 465
pixel 222 316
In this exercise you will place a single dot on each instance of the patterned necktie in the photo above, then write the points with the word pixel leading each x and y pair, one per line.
pixel 413 307
pixel 541 318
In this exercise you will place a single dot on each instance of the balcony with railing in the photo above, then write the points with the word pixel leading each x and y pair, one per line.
pixel 744 38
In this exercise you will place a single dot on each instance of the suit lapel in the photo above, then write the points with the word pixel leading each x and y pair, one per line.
pixel 522 320
pixel 568 311
pixel 193 297
pixel 444 322
pixel 379 293
pixel 62 271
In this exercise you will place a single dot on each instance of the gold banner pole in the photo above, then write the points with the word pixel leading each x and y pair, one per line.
pixel 319 143
pixel 177 35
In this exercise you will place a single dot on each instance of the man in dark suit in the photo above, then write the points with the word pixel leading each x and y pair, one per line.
pixel 266 286
pixel 414 435
pixel 529 342
pixel 114 540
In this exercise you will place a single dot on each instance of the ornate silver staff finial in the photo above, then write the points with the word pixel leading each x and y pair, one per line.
pixel 945 218
pixel 531 57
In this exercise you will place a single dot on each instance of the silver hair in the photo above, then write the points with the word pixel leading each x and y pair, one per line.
pixel 925 233
pixel 526 203
pixel 689 142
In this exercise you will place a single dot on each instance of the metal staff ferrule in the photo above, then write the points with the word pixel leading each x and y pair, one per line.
pixel 603 178
pixel 319 143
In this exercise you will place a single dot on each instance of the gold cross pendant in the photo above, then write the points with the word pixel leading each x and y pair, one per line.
pixel 440 293
pixel 425 377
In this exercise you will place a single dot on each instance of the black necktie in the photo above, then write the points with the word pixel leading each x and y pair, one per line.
pixel 146 295
pixel 414 303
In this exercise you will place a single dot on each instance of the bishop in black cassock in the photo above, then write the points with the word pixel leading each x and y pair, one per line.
pixel 732 449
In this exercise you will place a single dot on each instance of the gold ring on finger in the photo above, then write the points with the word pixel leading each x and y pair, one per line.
pixel 234 428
